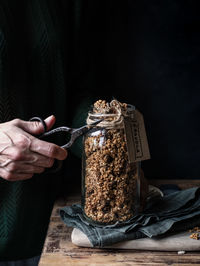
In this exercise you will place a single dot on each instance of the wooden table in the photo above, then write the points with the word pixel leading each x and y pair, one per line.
pixel 58 249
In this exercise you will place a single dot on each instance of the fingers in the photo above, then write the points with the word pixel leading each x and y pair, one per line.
pixel 48 149
pixel 21 167
pixel 27 141
pixel 9 176
pixel 35 127
pixel 13 155
pixel 24 146
pixel 38 160
pixel 13 170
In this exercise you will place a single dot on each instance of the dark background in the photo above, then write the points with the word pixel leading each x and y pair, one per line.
pixel 147 53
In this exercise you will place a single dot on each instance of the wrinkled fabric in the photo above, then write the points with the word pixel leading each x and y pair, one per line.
pixel 172 213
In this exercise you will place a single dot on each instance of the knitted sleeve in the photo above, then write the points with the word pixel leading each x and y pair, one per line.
pixel 6 110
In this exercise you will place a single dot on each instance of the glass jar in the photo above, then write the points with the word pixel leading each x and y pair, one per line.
pixel 110 184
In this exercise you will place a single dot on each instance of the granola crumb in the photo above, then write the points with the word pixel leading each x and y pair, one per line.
pixel 195 236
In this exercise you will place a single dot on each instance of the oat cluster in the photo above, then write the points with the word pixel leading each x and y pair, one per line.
pixel 195 233
pixel 195 236
pixel 110 181
pixel 103 107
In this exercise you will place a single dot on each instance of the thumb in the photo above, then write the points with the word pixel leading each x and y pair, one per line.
pixel 36 127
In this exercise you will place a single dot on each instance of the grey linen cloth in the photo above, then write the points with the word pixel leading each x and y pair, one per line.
pixel 175 212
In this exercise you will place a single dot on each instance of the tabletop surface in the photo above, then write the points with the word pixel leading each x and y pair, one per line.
pixel 59 250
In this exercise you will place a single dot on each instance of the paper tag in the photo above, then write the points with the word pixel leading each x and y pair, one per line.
pixel 137 144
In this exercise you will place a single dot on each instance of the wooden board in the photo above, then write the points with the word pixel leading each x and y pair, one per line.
pixel 181 241
pixel 60 251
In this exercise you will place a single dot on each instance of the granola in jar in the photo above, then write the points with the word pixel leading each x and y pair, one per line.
pixel 109 188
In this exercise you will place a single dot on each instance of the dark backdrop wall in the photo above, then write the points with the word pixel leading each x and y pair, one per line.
pixel 142 52
pixel 163 74
pixel 147 53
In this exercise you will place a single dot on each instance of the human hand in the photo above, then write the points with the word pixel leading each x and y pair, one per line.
pixel 22 154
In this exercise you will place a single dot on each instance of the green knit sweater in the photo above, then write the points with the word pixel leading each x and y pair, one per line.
pixel 33 81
